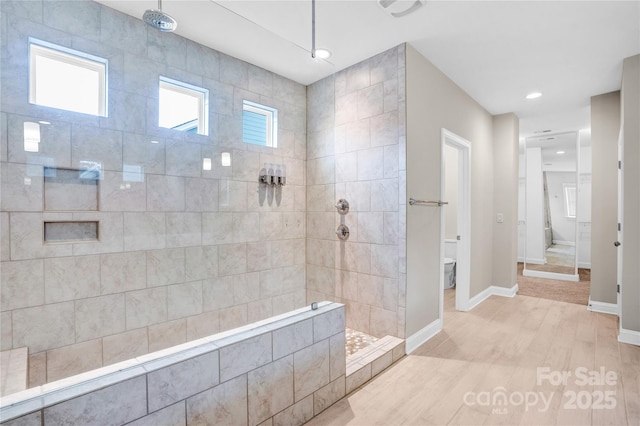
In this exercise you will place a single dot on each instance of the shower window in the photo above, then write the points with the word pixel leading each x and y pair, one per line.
pixel 183 107
pixel 259 124
pixel 67 79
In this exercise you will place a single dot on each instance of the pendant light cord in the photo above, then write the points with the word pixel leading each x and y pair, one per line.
pixel 313 28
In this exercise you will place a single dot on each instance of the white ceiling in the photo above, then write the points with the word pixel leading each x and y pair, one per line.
pixel 496 51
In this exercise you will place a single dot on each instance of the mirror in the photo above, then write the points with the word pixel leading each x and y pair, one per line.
pixel 551 188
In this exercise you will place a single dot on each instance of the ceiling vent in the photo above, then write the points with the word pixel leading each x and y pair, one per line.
pixel 400 8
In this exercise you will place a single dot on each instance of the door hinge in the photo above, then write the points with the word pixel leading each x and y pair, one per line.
pixel 619 227
pixel 619 164
pixel 618 288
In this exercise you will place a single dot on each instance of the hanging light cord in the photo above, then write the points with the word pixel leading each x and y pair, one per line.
pixel 313 28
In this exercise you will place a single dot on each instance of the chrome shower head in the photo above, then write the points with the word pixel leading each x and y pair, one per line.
pixel 159 19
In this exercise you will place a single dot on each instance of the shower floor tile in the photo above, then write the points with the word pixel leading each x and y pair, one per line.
pixel 357 340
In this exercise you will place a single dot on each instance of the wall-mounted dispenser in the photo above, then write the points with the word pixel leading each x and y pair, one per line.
pixel 273 174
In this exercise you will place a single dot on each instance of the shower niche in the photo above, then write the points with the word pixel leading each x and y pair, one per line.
pixel 71 190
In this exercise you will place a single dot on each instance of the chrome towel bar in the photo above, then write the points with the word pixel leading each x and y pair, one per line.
pixel 413 201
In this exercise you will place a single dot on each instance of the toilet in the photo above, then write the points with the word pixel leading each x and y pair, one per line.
pixel 449 273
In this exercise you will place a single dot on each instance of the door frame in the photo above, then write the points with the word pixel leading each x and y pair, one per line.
pixel 463 262
pixel 620 248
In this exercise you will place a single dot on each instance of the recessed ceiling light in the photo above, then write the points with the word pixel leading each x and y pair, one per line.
pixel 154 142
pixel 322 54
pixel 560 152
pixel 44 122
pixel 534 95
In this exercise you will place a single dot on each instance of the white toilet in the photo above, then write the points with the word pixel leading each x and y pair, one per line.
pixel 449 273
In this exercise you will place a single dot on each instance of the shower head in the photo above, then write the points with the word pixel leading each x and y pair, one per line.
pixel 159 19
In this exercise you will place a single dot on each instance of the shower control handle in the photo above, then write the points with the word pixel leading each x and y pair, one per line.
pixel 342 232
pixel 342 206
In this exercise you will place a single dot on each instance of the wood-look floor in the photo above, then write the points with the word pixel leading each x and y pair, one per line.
pixel 497 348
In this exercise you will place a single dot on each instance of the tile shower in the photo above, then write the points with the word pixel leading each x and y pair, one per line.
pixel 178 252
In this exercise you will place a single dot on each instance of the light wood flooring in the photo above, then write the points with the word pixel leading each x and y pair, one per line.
pixel 562 291
pixel 496 349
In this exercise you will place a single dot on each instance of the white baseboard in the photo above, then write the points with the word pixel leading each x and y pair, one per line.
pixel 521 259
pixel 585 265
pixel 493 290
pixel 629 336
pixel 602 307
pixel 536 261
pixel 564 243
pixel 551 275
pixel 422 336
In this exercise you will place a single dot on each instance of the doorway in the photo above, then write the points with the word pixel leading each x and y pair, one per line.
pixel 461 148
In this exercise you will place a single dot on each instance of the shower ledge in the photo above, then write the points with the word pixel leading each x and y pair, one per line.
pixel 367 363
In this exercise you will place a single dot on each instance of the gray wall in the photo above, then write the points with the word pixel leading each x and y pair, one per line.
pixel 630 110
pixel 506 130
pixel 183 254
pixel 605 129
pixel 434 102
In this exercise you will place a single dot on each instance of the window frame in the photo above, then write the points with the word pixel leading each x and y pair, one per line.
pixel 189 90
pixel 271 115
pixel 566 188
pixel 40 48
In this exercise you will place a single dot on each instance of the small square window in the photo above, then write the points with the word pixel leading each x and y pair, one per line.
pixel 570 200
pixel 183 107
pixel 67 79
pixel 259 124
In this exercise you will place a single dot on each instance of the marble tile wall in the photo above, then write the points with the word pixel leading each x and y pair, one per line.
pixel 181 252
pixel 356 150
pixel 253 377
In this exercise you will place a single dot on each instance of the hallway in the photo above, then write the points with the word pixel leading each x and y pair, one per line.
pixel 496 350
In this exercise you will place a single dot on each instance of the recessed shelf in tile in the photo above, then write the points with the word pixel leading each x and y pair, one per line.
pixel 70 190
pixel 64 232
